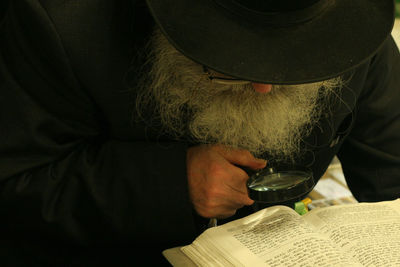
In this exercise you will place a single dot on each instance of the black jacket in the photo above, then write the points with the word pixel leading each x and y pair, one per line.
pixel 77 175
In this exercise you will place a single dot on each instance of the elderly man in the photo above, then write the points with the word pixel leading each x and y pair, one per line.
pixel 126 125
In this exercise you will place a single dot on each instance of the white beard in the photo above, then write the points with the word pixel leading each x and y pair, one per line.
pixel 236 116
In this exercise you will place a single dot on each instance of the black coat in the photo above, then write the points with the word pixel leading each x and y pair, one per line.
pixel 77 175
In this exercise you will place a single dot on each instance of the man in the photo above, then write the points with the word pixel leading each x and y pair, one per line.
pixel 123 133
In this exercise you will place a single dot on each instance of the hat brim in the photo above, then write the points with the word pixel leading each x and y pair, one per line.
pixel 344 36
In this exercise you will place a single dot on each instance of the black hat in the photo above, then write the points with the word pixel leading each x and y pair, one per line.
pixel 276 41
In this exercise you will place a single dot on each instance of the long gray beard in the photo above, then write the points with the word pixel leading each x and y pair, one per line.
pixel 188 104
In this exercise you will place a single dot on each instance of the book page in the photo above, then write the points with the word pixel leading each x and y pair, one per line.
pixel 275 236
pixel 367 232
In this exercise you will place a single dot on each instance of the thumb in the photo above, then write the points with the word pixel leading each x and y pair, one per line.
pixel 243 158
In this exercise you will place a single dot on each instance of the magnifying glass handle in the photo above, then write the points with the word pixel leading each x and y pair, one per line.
pixel 212 222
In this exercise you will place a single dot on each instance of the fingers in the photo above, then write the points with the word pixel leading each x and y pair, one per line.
pixel 221 207
pixel 241 157
pixel 222 191
pixel 217 188
pixel 224 196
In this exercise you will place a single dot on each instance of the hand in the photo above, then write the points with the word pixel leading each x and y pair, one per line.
pixel 217 187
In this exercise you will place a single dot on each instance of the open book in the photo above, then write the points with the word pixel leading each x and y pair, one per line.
pixel 362 234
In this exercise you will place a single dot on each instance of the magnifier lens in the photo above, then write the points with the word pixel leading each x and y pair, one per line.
pixel 279 180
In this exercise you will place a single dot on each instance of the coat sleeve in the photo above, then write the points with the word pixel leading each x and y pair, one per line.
pixel 63 176
pixel 370 156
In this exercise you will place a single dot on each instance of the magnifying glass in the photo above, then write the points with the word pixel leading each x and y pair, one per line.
pixel 272 186
pixel 277 186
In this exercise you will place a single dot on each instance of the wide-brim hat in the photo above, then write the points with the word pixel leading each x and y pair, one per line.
pixel 276 41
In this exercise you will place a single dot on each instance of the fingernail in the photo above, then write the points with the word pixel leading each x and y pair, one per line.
pixel 263 161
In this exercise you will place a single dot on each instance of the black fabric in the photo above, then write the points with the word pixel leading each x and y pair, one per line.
pixel 370 154
pixel 3 9
pixel 74 170
pixel 276 6
pixel 81 184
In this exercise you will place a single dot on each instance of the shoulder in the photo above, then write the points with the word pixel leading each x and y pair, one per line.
pixel 376 76
pixel 83 20
pixel 382 82
pixel 96 36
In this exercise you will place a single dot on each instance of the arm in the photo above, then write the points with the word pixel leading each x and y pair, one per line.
pixel 370 156
pixel 64 175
